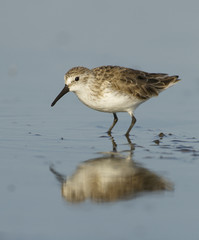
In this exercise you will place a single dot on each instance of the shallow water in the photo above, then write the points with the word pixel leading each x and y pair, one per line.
pixel 61 175
pixel 32 197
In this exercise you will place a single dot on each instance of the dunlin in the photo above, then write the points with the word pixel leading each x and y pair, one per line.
pixel 114 89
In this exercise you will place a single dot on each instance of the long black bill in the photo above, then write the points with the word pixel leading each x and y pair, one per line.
pixel 61 94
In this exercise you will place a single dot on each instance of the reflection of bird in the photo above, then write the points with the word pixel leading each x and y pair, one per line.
pixel 110 178
pixel 115 89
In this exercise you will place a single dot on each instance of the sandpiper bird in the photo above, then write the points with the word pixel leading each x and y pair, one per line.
pixel 114 89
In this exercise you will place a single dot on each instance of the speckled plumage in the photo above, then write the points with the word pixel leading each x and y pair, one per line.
pixel 115 89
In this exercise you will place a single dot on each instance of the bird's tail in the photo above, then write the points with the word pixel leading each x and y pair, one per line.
pixel 160 81
pixel 170 81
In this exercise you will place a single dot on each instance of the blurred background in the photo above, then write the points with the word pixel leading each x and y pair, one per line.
pixel 39 42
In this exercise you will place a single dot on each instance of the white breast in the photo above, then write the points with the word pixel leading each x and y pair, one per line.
pixel 109 101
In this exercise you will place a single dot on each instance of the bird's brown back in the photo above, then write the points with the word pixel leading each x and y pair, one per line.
pixel 140 84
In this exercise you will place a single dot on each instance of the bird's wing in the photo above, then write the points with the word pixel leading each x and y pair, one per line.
pixel 145 85
pixel 140 84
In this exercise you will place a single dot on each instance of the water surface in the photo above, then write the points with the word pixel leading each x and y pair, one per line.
pixel 145 188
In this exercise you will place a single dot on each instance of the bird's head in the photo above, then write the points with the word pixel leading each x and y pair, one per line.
pixel 75 81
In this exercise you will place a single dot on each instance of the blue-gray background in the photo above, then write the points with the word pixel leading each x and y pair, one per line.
pixel 39 42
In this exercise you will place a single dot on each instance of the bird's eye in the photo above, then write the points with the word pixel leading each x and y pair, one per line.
pixel 77 79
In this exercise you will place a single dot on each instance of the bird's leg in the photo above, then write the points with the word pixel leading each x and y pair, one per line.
pixel 132 145
pixel 114 122
pixel 132 124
